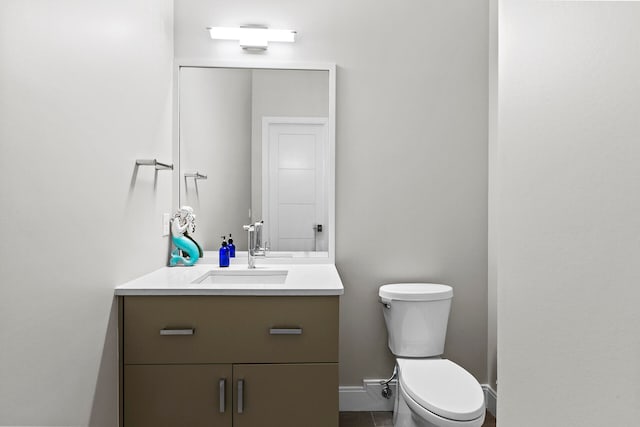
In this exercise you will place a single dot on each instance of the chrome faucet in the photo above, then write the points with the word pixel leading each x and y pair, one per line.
pixel 254 246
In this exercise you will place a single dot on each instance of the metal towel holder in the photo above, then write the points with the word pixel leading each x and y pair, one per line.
pixel 194 175
pixel 154 162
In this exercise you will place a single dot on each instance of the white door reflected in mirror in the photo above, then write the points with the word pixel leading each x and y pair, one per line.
pixel 293 184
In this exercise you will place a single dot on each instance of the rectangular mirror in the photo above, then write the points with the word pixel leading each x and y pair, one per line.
pixel 257 143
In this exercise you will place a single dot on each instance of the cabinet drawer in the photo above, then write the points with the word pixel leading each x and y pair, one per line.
pixel 230 329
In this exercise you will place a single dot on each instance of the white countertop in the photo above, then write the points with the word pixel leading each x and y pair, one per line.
pixel 302 279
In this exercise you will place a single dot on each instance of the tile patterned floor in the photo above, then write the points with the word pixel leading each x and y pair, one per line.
pixel 384 419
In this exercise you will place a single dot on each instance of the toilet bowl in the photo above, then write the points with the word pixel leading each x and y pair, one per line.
pixel 432 392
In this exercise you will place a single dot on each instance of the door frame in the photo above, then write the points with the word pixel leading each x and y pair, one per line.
pixel 267 121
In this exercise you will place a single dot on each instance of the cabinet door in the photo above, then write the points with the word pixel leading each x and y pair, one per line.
pixel 291 395
pixel 177 395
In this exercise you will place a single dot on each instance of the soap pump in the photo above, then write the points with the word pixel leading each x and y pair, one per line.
pixel 223 253
pixel 232 247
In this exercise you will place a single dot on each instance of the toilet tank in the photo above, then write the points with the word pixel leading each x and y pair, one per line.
pixel 416 315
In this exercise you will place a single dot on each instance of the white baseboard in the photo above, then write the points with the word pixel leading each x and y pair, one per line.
pixel 368 397
pixel 490 398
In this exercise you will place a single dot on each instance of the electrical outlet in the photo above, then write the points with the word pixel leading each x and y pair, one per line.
pixel 166 219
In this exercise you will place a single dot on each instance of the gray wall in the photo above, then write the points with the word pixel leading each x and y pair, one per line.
pixel 85 90
pixel 215 140
pixel 411 151
pixel 568 270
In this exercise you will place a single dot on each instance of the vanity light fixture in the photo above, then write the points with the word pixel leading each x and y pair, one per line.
pixel 252 37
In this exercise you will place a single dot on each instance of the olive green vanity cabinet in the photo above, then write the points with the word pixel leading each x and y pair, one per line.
pixel 222 361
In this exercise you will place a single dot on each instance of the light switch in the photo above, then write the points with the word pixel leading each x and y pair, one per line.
pixel 166 219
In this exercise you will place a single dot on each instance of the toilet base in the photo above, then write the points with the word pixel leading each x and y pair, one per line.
pixel 405 417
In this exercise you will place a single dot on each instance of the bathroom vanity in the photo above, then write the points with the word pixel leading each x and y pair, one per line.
pixel 204 346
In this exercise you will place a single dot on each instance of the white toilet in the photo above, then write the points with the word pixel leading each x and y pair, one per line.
pixel 432 392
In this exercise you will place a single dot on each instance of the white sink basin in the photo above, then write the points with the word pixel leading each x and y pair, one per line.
pixel 243 277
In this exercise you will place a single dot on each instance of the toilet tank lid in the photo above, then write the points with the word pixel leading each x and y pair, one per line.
pixel 415 292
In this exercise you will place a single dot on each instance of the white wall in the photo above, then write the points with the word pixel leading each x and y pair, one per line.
pixel 85 89
pixel 568 270
pixel 411 150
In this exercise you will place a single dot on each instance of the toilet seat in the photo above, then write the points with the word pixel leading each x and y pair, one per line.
pixel 433 419
pixel 442 388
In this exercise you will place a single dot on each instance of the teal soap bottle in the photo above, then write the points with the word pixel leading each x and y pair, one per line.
pixel 223 253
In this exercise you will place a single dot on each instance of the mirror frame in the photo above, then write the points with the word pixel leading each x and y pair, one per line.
pixel 267 65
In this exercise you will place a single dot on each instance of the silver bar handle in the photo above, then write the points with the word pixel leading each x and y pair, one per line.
pixel 240 396
pixel 285 331
pixel 223 391
pixel 168 331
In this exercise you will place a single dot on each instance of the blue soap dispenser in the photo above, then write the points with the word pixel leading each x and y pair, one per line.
pixel 232 247
pixel 223 253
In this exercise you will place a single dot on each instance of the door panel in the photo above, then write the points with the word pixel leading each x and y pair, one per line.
pixel 297 187
pixel 177 395
pixel 294 193
pixel 292 395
